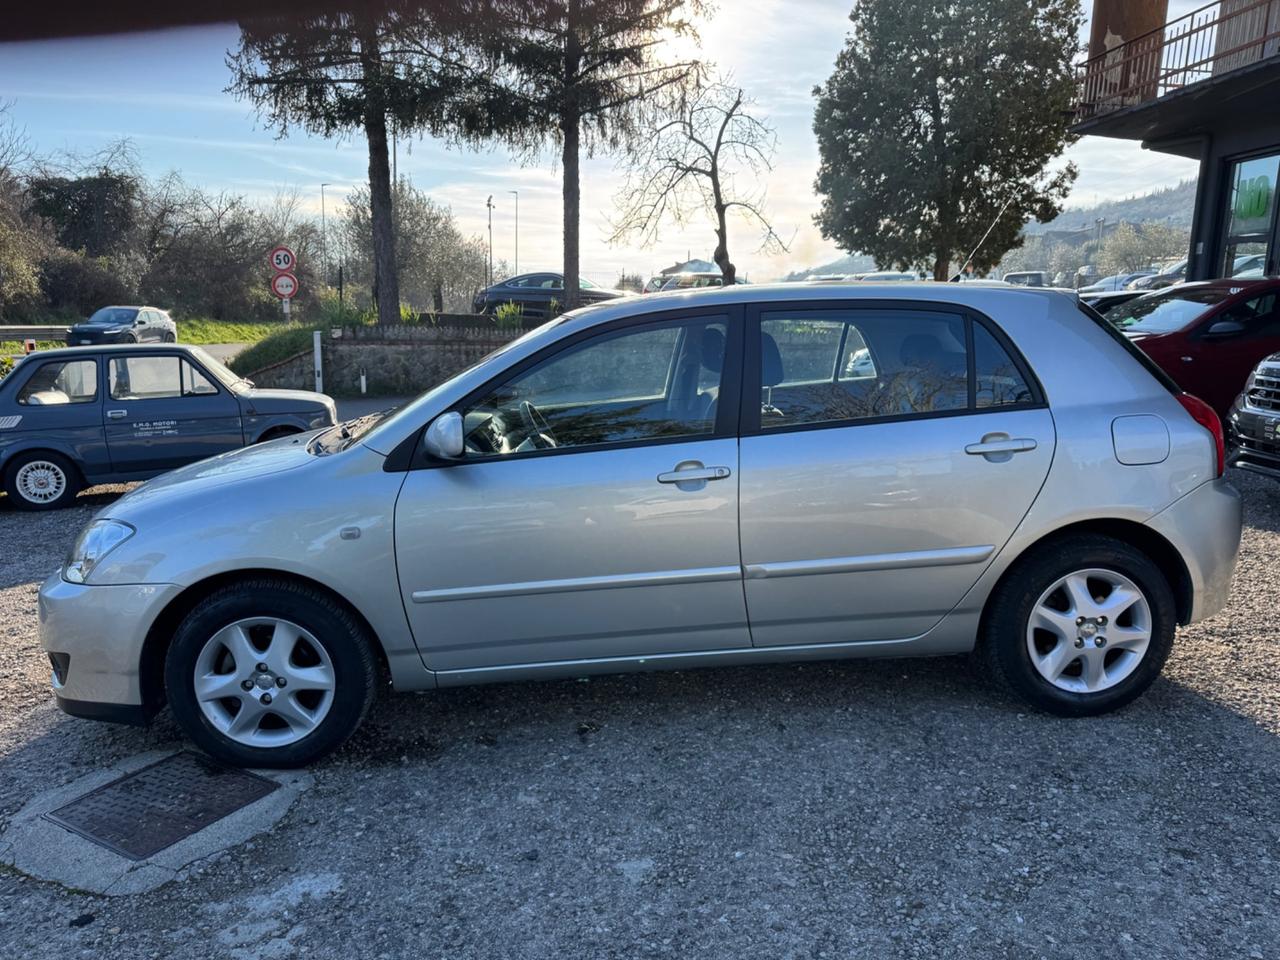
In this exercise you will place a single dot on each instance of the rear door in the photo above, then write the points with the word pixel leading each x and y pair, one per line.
pixel 894 449
pixel 163 410
pixel 58 402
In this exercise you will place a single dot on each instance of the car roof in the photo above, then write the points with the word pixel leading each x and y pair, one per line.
pixel 1233 285
pixel 111 348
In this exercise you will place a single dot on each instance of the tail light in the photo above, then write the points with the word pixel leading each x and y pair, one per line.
pixel 1204 415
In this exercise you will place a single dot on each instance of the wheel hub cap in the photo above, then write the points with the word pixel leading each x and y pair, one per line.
pixel 264 682
pixel 41 481
pixel 1089 630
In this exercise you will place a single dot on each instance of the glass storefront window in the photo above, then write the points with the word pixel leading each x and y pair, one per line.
pixel 1250 216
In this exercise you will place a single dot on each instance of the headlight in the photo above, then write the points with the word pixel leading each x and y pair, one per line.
pixel 95 542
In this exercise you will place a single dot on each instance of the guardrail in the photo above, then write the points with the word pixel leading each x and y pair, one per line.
pixel 24 332
pixel 1212 40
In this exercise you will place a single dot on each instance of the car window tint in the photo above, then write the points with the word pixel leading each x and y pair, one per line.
pixel 817 368
pixel 998 381
pixel 56 383
pixel 145 378
pixel 658 381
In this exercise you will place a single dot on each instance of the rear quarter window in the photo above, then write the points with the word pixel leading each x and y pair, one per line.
pixel 1147 363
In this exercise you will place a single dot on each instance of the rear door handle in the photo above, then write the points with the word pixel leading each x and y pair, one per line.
pixel 117 414
pixel 697 473
pixel 999 447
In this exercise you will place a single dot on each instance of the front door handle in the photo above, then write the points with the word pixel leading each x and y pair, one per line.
pixel 117 414
pixel 694 473
pixel 999 447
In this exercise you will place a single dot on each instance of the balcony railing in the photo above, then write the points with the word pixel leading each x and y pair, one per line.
pixel 1208 42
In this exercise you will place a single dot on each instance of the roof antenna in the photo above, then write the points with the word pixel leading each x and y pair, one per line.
pixel 969 259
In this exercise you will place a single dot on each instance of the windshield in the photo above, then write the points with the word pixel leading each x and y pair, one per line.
pixel 586 284
pixel 113 316
pixel 1166 311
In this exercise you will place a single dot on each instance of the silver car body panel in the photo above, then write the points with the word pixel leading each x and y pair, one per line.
pixel 582 563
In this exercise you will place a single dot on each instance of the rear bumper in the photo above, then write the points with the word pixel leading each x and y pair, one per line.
pixel 1204 527
pixel 100 631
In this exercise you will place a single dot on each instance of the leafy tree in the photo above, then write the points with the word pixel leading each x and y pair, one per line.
pixel 940 119
pixel 396 65
pixel 687 165
pixel 588 74
pixel 95 213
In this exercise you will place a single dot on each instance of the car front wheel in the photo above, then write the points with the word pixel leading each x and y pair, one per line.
pixel 270 673
pixel 1080 627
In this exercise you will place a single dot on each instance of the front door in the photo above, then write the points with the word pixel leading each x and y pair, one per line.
pixel 1214 364
pixel 893 452
pixel 163 411
pixel 595 511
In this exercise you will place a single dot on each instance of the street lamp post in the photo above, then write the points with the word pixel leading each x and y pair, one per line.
pixel 516 194
pixel 324 234
pixel 489 203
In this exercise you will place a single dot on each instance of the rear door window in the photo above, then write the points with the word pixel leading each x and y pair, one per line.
pixel 56 383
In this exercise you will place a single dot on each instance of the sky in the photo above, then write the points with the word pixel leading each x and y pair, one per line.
pixel 164 92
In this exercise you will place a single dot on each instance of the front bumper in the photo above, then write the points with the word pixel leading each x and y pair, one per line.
pixel 1254 439
pixel 100 631
pixel 1204 527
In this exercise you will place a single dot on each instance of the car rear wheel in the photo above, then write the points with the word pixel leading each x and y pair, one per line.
pixel 1080 627
pixel 41 480
pixel 169 337
pixel 270 673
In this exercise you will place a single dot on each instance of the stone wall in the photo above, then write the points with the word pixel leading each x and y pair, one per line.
pixel 396 361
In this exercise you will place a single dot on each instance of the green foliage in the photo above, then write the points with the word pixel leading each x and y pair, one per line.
pixel 331 312
pixel 936 116
pixel 508 316
pixel 96 213
pixel 201 330
pixel 1129 248
pixel 79 283
pixel 6 363
pixel 286 342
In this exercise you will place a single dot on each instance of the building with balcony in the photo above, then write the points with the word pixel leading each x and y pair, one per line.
pixel 1205 85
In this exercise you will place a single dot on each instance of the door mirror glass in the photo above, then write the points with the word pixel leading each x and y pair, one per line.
pixel 1225 328
pixel 443 439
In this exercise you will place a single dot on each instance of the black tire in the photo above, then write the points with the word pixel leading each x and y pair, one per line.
pixel 169 337
pixel 1002 654
pixel 72 482
pixel 275 433
pixel 344 638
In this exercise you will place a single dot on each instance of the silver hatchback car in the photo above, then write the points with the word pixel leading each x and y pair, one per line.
pixel 723 477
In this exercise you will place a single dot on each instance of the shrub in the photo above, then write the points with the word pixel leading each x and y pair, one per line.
pixel 72 281
pixel 281 345
pixel 508 316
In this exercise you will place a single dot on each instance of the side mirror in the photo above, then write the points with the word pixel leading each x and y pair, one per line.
pixel 443 439
pixel 1225 328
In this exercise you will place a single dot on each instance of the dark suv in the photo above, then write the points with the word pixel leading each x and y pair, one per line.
pixel 1253 428
pixel 124 325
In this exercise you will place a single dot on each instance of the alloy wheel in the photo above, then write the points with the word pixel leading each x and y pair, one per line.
pixel 1089 630
pixel 264 682
pixel 40 481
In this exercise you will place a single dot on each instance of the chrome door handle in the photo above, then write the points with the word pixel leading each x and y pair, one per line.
pixel 117 414
pixel 700 473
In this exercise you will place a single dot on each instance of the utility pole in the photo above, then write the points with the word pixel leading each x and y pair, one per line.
pixel 489 203
pixel 517 196
pixel 324 234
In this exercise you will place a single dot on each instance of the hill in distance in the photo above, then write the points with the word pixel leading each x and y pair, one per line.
pixel 1170 205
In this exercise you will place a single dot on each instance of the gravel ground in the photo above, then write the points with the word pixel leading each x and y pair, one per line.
pixel 858 809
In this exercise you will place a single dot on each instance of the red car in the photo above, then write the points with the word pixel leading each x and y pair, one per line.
pixel 1207 335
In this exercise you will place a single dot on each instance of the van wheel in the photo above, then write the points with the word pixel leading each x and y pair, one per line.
pixel 41 480
pixel 270 673
pixel 1080 627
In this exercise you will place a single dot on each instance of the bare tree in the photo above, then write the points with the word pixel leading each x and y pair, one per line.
pixel 711 157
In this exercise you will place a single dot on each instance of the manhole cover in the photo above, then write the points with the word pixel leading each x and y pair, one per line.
pixel 155 807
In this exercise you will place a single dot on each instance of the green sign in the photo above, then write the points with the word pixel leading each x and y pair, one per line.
pixel 1253 198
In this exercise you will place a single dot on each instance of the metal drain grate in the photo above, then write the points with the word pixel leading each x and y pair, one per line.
pixel 155 807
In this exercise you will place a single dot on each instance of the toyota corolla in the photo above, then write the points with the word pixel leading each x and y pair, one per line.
pixel 734 476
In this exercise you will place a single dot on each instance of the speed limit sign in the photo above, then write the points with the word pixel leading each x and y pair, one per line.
pixel 282 259
pixel 284 285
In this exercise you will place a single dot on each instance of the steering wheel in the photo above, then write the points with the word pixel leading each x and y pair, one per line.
pixel 539 430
